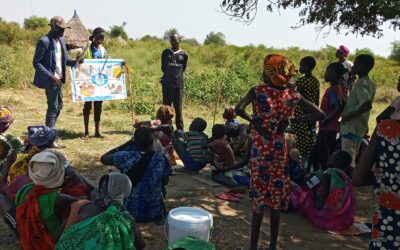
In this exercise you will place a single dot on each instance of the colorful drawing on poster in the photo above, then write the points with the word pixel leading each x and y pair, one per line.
pixel 98 80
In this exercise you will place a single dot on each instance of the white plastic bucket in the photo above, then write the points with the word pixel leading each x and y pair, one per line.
pixel 189 221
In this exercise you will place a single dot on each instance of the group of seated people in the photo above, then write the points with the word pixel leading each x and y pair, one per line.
pixel 48 205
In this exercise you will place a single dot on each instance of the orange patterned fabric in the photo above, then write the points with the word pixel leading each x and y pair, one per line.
pixel 279 69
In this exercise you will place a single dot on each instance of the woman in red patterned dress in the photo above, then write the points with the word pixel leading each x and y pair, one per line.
pixel 273 106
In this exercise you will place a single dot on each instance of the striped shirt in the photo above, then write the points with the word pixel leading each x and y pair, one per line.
pixel 195 142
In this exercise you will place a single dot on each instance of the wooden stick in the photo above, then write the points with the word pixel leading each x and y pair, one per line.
pixel 218 97
pixel 127 72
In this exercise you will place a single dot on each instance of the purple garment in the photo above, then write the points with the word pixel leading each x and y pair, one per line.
pixel 334 216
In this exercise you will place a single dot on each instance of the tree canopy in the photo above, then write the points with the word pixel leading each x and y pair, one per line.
pixel 216 38
pixel 356 16
pixel 395 52
pixel 118 31
pixel 35 22
pixel 169 32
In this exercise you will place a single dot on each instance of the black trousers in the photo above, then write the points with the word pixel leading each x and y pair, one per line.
pixel 173 96
pixel 97 109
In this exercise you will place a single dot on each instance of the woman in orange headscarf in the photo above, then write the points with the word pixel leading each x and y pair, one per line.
pixel 273 106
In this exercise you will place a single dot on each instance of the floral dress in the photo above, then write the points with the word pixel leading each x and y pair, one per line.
pixel 270 181
pixel 386 222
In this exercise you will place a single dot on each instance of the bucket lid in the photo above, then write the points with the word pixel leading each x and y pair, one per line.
pixel 190 215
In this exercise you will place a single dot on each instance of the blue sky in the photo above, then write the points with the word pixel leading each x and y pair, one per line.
pixel 194 19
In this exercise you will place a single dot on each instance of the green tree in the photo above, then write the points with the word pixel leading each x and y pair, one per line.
pixel 356 16
pixel 150 38
pixel 169 32
pixel 118 31
pixel 216 38
pixel 191 41
pixel 395 53
pixel 34 22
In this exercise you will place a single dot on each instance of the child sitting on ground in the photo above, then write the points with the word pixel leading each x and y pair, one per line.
pixel 162 131
pixel 328 201
pixel 224 160
pixel 189 146
pixel 230 117
pixel 223 153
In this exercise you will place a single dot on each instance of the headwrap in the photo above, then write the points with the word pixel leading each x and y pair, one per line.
pixel 165 113
pixel 344 50
pixel 50 173
pixel 97 31
pixel 6 118
pixel 114 188
pixel 279 69
pixel 230 112
pixel 41 136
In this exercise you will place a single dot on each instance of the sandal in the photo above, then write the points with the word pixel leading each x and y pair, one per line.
pixel 226 197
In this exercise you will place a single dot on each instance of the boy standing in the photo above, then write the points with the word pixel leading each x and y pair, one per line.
pixel 357 108
pixel 173 64
pixel 331 104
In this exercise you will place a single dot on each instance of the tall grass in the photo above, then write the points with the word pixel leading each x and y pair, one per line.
pixel 213 71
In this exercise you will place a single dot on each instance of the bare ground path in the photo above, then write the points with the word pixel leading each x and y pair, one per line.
pixel 231 220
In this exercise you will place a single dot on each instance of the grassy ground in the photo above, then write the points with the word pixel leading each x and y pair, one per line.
pixel 231 220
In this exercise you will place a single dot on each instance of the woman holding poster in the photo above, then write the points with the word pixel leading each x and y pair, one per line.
pixel 95 51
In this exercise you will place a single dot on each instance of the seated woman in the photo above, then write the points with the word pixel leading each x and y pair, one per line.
pixel 162 131
pixel 149 173
pixel 36 215
pixel 103 223
pixel 41 138
pixel 329 200
pixel 7 142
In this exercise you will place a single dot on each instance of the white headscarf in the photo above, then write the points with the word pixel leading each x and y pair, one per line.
pixel 47 169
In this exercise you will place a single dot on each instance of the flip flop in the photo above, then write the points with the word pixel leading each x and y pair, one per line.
pixel 227 197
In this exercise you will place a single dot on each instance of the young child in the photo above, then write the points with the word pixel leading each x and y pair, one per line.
pixel 162 130
pixel 224 156
pixel 308 87
pixel 190 146
pixel 393 111
pixel 230 117
pixel 328 201
pixel 224 160
pixel 355 115
pixel 331 104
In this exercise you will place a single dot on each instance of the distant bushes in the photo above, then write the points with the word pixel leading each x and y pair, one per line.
pixel 227 71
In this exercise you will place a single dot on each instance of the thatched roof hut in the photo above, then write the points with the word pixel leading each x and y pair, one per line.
pixel 77 36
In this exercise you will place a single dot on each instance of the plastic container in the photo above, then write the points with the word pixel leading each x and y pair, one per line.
pixel 189 221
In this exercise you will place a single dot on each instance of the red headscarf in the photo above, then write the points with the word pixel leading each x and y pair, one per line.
pixel 279 69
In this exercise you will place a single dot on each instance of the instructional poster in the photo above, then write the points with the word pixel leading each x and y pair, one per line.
pixel 98 80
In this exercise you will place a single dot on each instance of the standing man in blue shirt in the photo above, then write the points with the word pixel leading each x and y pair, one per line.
pixel 50 62
pixel 173 64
